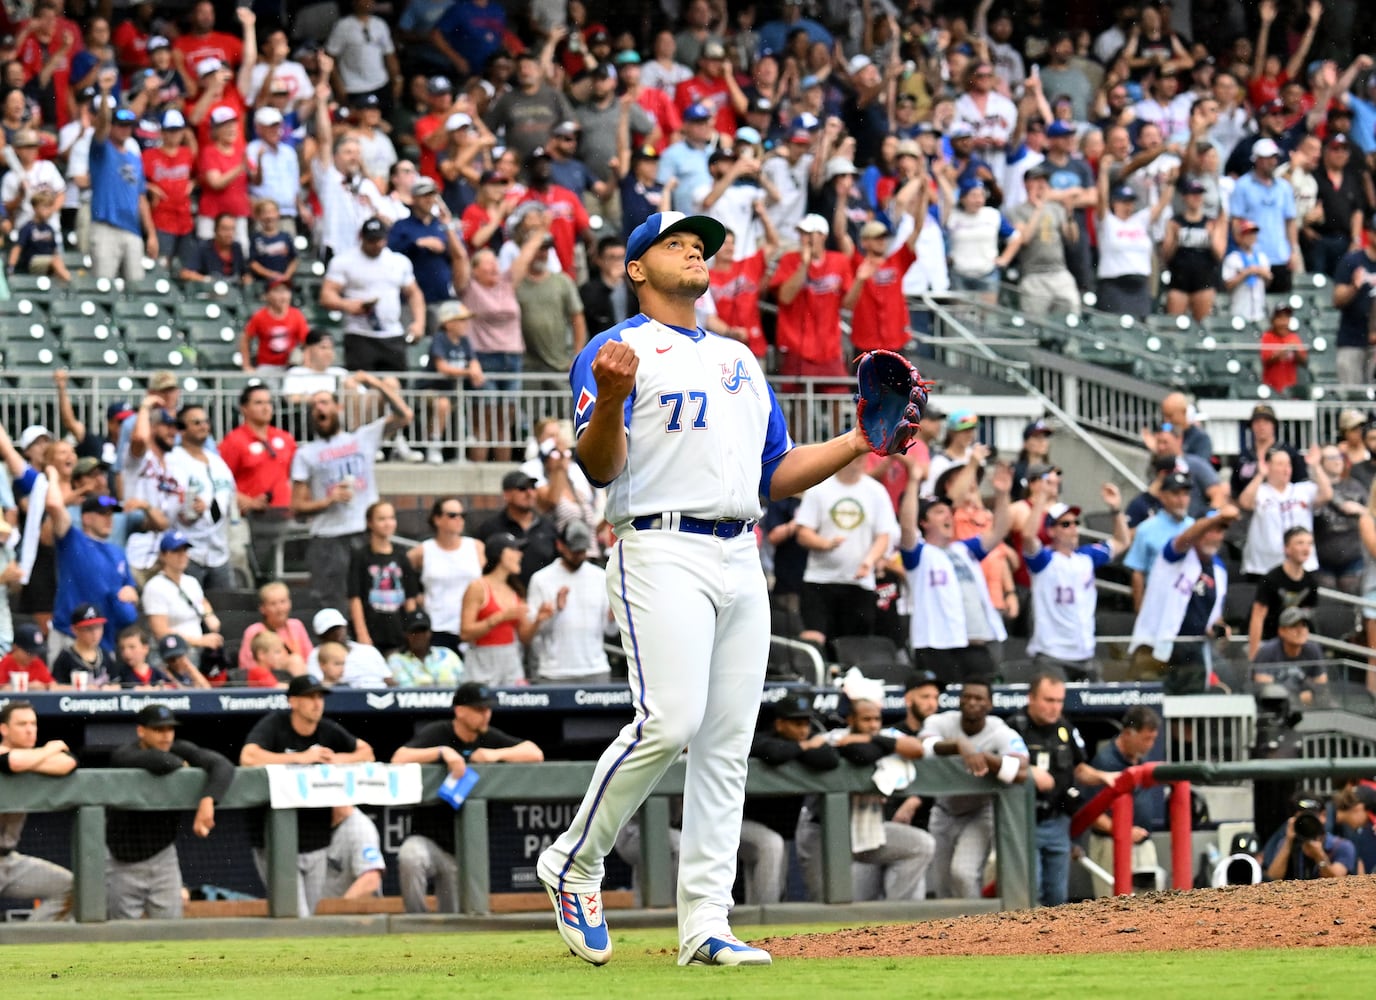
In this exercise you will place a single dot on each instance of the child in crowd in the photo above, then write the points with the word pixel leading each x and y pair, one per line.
pixel 451 355
pixel 176 662
pixel 1283 352
pixel 272 252
pixel 86 653
pixel 36 249
pixel 26 657
pixel 278 328
pixel 1246 273
pixel 134 669
pixel 269 656
pixel 331 657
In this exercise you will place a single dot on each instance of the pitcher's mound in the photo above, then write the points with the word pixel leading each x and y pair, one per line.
pixel 1322 913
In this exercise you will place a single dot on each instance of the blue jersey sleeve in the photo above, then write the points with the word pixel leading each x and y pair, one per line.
pixel 1039 562
pixel 1169 552
pixel 911 557
pixel 777 443
pixel 975 547
pixel 1099 553
pixel 1006 231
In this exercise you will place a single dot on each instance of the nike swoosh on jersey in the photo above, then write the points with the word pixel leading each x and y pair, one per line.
pixel 664 350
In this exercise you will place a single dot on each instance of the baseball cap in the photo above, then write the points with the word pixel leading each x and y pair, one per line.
pixel 1264 148
pixel 326 619
pixel 661 224
pixel 920 678
pixel 161 381
pixel 173 541
pixel 538 153
pixel 1059 130
pixel 909 147
pixel 813 223
pixel 157 42
pixel 156 717
pixel 1247 226
pixel 968 184
pixel 173 119
pixel 872 229
pixel 1275 107
pixel 1059 510
pixel 838 165
pixel 439 85
pixel 1339 140
pixel 457 121
pixel 926 128
pixel 962 420
pixel 713 50
pixel 1040 470
pixel 646 152
pixel 1349 419
pixel 1123 192
pixel 858 62
pixel 808 82
pixel 720 154
pixel 925 505
pixel 1177 482
pixel 492 177
pixel 362 101
pixel 568 129
pixel 123 116
pixel 698 112
pixel 1293 616
pixel 1040 172
pixel 1264 412
pixel 1036 427
pixel 415 621
pixel 474 695
pixel 501 541
pixel 86 615
pixel 207 66
pixel 576 536
pixel 87 464
pixel 101 505
pixel 423 187
pixel 806 120
pixel 223 115
pixel 172 646
pixel 1191 186
pixel 25 137
pixel 960 130
pixel 794 706
pixel 452 310
pixel 119 409
pixel 31 434
pixel 318 336
pixel 29 638
pixel 627 57
pixel 304 685
pixel 749 136
pixel 517 480
pixel 761 104
pixel 801 136
pixel 373 229
pixel 265 117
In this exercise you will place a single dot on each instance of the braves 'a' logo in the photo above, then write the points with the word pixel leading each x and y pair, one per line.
pixel 732 379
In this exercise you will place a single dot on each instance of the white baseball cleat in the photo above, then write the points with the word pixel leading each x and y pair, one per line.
pixel 727 950
pixel 582 923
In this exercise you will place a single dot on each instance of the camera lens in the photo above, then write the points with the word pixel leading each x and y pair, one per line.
pixel 1308 826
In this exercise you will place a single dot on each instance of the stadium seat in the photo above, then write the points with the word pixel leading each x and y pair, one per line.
pixel 1237 604
pixel 876 656
pixel 161 289
pixel 21 306
pixel 196 310
pixel 84 328
pixel 129 312
pixel 77 308
pixel 161 355
pixel 92 354
pixel 210 332
pixel 151 335
pixel 1333 619
pixel 31 354
pixel 28 284
pixel 213 356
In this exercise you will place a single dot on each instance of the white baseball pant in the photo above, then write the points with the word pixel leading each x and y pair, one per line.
pixel 694 617
pixel 962 845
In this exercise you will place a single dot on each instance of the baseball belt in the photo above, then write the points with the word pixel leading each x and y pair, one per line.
pixel 722 528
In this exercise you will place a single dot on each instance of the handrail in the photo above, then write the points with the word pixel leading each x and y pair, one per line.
pixel 819 667
pixel 1014 376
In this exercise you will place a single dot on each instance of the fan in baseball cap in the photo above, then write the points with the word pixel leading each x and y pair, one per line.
pixel 172 646
pixel 28 637
pixel 87 616
pixel 663 224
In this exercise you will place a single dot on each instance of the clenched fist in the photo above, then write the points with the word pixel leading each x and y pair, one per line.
pixel 614 369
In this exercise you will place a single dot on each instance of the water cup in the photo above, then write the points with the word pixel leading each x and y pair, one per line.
pixel 81 680
pixel 19 680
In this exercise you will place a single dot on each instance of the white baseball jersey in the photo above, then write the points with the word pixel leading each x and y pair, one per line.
pixel 214 483
pixel 942 609
pixel 1064 599
pixel 858 512
pixel 148 478
pixel 704 432
pixel 1277 511
pixel 997 737
pixel 355 849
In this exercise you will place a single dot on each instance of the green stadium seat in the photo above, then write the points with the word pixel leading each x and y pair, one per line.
pixel 162 289
pixel 77 308
pixel 22 306
pixel 160 355
pixel 88 329
pixel 214 356
pixel 28 284
pixel 31 354
pixel 195 310
pixel 86 354
pixel 211 332
pixel 128 312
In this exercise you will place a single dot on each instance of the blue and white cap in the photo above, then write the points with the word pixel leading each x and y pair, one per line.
pixel 661 224
pixel 698 112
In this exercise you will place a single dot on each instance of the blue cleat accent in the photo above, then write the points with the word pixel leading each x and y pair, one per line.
pixel 728 950
pixel 582 923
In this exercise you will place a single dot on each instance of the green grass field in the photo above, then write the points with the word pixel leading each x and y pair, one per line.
pixel 528 964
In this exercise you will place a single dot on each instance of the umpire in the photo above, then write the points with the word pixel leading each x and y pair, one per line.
pixel 1058 763
pixel 143 877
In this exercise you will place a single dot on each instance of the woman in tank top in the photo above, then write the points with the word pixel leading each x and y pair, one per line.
pixel 447 564
pixel 492 609
pixel 1193 248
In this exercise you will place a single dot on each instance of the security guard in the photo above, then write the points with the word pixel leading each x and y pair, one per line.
pixel 1059 762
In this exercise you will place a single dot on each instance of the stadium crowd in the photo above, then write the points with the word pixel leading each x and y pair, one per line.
pixel 467 173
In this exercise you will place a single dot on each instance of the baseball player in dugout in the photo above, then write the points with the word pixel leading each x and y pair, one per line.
pixel 686 435
pixel 23 877
pixel 143 877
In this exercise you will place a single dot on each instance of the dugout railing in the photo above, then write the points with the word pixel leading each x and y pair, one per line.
pixel 88 793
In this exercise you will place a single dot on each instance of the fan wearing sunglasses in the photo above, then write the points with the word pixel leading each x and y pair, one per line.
pixel 1064 597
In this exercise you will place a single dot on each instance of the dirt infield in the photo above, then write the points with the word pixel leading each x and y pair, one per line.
pixel 1317 914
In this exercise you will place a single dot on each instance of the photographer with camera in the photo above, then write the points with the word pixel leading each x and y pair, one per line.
pixel 1058 761
pixel 1302 849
